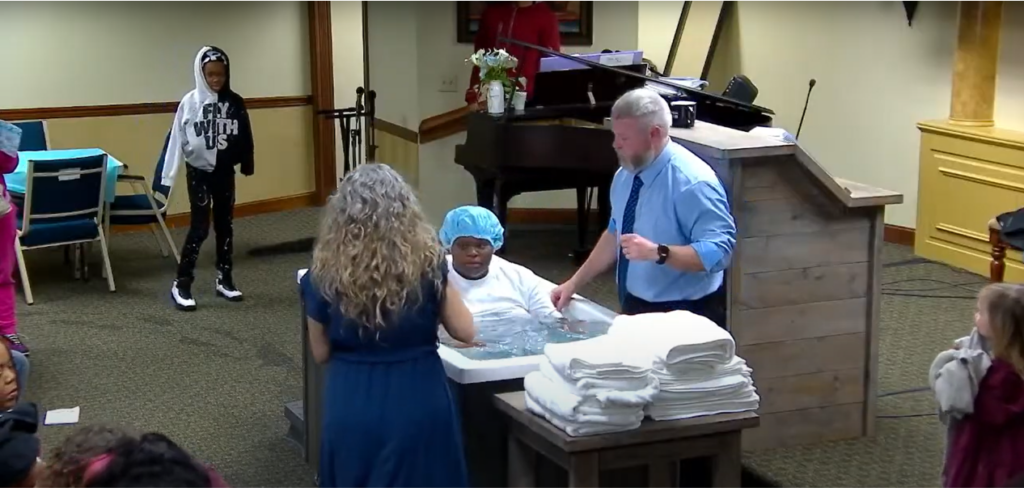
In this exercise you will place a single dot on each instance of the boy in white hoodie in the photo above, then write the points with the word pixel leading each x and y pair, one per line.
pixel 212 134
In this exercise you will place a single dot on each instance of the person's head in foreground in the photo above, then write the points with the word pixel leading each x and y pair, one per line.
pixel 214 64
pixel 471 234
pixel 68 462
pixel 19 447
pixel 151 460
pixel 640 122
pixel 1000 318
pixel 8 378
pixel 375 246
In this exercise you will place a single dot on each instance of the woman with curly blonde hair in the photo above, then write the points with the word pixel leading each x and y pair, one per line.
pixel 374 297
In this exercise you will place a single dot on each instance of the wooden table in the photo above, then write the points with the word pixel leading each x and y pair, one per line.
pixel 658 445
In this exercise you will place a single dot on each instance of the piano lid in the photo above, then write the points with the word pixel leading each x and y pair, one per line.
pixel 690 93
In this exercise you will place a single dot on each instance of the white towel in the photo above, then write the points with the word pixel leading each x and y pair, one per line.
pixel 713 386
pixel 556 396
pixel 589 386
pixel 676 412
pixel 619 416
pixel 578 429
pixel 739 392
pixel 687 372
pixel 600 357
pixel 673 337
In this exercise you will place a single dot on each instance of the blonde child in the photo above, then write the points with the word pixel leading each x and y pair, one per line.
pixel 987 445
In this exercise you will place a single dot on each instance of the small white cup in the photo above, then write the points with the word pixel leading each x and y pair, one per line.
pixel 519 100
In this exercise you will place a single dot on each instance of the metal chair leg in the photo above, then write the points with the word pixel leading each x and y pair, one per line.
pixel 24 274
pixel 106 262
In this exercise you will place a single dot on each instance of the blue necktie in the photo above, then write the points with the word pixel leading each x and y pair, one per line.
pixel 628 219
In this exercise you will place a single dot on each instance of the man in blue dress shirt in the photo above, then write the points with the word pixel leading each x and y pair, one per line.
pixel 671 234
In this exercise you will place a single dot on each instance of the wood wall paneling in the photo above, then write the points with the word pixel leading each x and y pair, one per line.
pixel 803 303
pixel 321 58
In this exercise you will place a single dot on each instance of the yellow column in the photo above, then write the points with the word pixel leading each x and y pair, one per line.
pixel 974 67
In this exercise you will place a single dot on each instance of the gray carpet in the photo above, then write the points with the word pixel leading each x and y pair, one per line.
pixel 216 380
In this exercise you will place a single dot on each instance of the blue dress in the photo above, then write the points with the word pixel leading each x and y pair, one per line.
pixel 389 418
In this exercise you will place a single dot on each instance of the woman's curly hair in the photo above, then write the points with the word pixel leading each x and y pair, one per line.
pixel 375 247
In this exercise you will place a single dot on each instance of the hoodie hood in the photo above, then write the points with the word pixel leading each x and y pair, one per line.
pixel 206 55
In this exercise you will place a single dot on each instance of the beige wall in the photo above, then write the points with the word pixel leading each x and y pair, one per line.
pixel 876 79
pixel 129 52
pixel 347 51
pixel 656 28
pixel 283 150
pixel 98 53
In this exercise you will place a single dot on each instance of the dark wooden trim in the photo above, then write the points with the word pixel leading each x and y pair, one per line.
pixel 728 9
pixel 443 125
pixel 248 209
pixel 396 130
pixel 894 234
pixel 321 67
pixel 897 234
pixel 129 109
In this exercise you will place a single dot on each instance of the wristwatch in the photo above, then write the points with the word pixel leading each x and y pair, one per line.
pixel 662 253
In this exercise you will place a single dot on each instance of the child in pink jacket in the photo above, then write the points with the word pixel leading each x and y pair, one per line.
pixel 9 136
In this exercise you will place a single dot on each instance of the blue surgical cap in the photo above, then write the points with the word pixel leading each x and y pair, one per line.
pixel 471 221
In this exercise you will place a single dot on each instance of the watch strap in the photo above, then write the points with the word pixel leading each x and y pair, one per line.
pixel 662 253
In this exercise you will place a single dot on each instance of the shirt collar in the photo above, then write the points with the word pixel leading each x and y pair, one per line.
pixel 651 171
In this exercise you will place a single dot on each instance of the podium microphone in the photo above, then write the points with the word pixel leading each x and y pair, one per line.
pixel 810 86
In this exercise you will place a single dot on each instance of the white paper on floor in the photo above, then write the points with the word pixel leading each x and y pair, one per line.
pixel 62 416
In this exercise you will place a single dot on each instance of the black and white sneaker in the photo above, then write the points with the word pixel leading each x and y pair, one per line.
pixel 181 293
pixel 226 288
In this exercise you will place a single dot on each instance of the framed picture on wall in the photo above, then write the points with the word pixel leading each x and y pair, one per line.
pixel 575 21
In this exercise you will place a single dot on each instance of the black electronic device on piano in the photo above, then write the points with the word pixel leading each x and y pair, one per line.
pixel 559 142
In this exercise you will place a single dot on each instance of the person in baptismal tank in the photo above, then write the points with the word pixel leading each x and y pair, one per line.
pixel 491 286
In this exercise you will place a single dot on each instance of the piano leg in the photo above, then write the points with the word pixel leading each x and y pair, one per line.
pixel 486 190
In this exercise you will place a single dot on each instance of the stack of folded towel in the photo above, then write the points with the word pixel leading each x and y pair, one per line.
pixel 591 387
pixel 694 361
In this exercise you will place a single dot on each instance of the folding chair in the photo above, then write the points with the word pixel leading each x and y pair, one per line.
pixel 34 136
pixel 64 203
pixel 146 208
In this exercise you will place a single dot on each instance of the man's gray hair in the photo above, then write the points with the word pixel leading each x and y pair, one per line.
pixel 644 105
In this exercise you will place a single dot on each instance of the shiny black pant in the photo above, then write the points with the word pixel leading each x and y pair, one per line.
pixel 209 191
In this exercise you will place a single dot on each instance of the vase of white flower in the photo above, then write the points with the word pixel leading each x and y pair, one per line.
pixel 496 75
pixel 495 97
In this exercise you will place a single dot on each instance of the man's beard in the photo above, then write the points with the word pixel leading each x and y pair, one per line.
pixel 638 162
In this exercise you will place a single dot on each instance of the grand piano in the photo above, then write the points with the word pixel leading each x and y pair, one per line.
pixel 559 141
